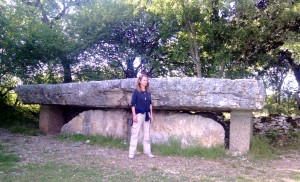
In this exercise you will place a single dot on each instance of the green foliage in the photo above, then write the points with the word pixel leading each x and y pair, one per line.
pixel 45 42
pixel 272 135
pixel 122 34
pixel 284 141
pixel 10 115
pixel 98 72
pixel 273 143
pixel 20 118
pixel 260 147
pixel 294 135
pixel 286 106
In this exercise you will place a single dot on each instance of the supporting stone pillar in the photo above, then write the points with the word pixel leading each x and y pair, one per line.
pixel 51 119
pixel 241 131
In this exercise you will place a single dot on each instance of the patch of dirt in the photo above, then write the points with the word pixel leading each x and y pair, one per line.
pixel 45 149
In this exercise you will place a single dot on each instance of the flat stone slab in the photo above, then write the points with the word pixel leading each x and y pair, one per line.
pixel 188 93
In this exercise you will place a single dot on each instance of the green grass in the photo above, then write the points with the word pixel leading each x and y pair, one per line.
pixel 10 170
pixel 63 172
pixel 97 140
pixel 7 160
pixel 264 147
pixel 24 130
pixel 173 148
pixel 294 142
pixel 56 171
pixel 296 176
pixel 242 178
pixel 52 171
pixel 260 147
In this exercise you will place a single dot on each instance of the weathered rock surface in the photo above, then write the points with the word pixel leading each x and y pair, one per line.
pixel 187 128
pixel 113 122
pixel 280 124
pixel 195 94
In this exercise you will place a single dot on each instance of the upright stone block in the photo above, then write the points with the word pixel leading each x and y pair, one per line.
pixel 51 119
pixel 189 129
pixel 241 131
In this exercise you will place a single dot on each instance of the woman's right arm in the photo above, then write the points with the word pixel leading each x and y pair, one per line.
pixel 133 103
pixel 134 117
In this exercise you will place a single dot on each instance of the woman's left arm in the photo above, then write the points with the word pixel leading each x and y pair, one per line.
pixel 151 113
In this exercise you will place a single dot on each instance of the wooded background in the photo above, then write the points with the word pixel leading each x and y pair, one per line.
pixel 61 41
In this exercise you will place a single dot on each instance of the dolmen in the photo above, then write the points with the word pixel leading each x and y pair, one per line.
pixel 103 108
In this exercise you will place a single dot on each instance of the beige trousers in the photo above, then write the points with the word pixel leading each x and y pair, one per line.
pixel 135 132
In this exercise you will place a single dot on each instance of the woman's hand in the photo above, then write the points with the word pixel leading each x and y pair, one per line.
pixel 134 117
pixel 151 118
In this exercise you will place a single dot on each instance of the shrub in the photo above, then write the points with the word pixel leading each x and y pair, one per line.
pixel 260 147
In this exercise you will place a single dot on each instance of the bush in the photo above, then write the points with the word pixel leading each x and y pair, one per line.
pixel 18 117
pixel 287 106
pixel 22 116
pixel 260 147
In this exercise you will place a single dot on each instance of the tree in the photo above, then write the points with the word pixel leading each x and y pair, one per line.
pixel 117 35
pixel 199 33
pixel 264 32
pixel 44 45
pixel 181 19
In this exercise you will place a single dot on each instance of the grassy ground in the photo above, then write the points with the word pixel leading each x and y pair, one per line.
pixel 90 169
pixel 171 149
pixel 64 172
pixel 56 171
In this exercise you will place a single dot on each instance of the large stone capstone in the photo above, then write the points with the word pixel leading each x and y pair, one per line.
pixel 194 94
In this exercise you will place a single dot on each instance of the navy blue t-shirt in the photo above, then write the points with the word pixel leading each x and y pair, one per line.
pixel 141 101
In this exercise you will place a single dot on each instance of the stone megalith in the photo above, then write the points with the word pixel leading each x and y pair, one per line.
pixel 193 94
pixel 188 129
pixel 240 97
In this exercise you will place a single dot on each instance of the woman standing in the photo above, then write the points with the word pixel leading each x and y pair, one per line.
pixel 141 107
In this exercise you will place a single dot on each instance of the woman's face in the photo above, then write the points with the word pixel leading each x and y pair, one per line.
pixel 144 81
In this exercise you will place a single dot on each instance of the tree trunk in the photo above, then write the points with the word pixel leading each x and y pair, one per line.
pixel 296 69
pixel 130 72
pixel 194 49
pixel 67 70
pixel 296 96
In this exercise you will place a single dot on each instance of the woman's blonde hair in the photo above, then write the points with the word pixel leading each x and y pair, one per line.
pixel 138 84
